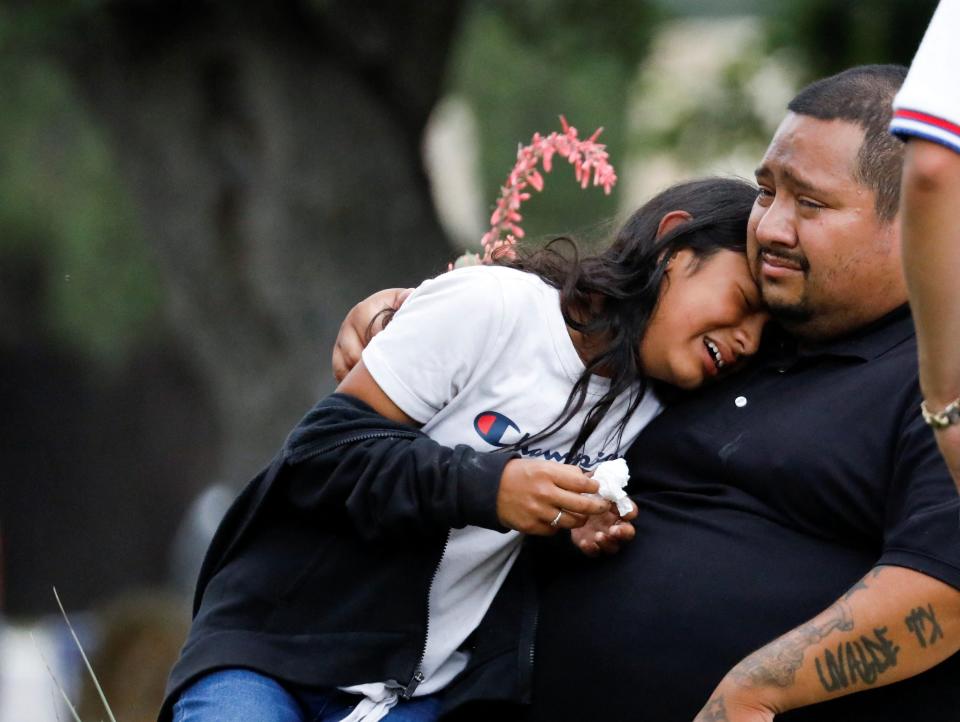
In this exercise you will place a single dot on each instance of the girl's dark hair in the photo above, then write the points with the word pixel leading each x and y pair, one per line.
pixel 612 295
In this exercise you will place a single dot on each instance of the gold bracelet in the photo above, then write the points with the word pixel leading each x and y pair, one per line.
pixel 942 419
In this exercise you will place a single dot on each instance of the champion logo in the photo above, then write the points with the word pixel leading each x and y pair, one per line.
pixel 500 430
pixel 492 425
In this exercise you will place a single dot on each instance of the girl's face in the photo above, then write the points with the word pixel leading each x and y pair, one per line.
pixel 709 318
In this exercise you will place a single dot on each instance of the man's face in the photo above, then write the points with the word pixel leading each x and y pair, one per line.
pixel 825 263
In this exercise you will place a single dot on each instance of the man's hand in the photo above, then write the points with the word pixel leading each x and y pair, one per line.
pixel 356 331
pixel 533 492
pixel 604 533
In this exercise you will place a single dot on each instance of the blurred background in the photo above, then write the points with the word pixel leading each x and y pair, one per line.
pixel 193 194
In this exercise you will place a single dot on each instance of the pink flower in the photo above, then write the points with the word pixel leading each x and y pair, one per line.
pixel 590 163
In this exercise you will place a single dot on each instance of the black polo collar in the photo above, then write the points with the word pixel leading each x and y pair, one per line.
pixel 866 343
pixel 870 341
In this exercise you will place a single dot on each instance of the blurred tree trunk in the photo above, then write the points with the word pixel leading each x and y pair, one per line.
pixel 833 36
pixel 274 152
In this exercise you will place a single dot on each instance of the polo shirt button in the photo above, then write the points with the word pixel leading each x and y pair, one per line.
pixel 782 370
pixel 740 401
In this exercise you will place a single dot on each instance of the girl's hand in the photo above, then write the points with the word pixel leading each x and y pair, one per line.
pixel 604 533
pixel 532 493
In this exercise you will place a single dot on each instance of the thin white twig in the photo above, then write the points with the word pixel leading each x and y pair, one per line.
pixel 93 676
pixel 56 682
pixel 53 701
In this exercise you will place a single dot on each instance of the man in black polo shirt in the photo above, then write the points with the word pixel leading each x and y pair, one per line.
pixel 802 501
pixel 809 482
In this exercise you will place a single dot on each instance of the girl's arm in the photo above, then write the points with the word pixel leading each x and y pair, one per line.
pixel 530 493
pixel 361 385
pixel 603 533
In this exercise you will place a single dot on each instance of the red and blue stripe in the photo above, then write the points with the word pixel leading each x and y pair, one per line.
pixel 908 123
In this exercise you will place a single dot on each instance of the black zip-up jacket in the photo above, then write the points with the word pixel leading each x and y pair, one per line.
pixel 319 573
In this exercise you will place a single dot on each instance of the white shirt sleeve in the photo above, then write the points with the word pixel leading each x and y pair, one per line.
pixel 437 339
pixel 928 104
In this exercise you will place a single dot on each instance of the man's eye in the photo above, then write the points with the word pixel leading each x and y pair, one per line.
pixel 764 194
pixel 813 205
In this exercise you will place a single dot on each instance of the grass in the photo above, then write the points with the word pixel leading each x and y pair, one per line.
pixel 93 676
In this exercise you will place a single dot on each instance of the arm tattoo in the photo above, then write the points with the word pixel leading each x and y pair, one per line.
pixel 923 623
pixel 715 711
pixel 857 660
pixel 777 664
pixel 862 584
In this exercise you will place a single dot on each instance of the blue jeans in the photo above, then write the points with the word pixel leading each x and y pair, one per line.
pixel 242 695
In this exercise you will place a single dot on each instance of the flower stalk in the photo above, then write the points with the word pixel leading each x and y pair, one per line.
pixel 590 163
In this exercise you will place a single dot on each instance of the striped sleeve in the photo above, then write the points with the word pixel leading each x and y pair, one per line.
pixel 928 104
pixel 908 123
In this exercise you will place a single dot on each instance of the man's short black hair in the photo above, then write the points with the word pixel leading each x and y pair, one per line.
pixel 864 95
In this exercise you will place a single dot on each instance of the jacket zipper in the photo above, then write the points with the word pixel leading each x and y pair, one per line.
pixel 533 639
pixel 354 439
pixel 530 598
pixel 417 676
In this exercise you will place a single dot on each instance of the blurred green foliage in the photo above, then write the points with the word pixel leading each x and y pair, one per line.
pixel 704 118
pixel 63 203
pixel 26 26
pixel 521 65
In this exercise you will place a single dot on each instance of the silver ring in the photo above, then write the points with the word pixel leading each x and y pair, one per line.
pixel 556 519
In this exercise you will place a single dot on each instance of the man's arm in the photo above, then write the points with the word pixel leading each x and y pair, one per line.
pixel 891 625
pixel 931 258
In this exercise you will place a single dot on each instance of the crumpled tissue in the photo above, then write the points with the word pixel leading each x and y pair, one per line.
pixel 612 476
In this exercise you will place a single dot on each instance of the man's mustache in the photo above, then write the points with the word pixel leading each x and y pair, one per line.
pixel 796 258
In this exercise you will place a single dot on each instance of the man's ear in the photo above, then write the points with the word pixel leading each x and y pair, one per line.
pixel 671 220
